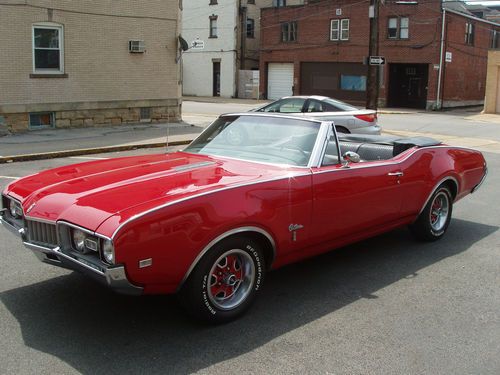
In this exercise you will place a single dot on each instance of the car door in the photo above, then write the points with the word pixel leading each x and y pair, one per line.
pixel 348 201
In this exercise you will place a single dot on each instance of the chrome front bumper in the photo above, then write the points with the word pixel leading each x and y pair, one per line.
pixel 114 277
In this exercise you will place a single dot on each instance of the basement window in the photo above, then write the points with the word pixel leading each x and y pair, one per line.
pixel 42 120
pixel 145 114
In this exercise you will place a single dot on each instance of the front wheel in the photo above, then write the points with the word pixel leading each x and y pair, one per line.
pixel 433 221
pixel 224 283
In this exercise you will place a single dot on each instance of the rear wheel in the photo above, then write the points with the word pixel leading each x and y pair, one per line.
pixel 224 283
pixel 433 222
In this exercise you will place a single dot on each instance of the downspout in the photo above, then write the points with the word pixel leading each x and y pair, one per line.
pixel 440 73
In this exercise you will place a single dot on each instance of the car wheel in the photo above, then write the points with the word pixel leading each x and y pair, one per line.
pixel 224 283
pixel 341 129
pixel 433 221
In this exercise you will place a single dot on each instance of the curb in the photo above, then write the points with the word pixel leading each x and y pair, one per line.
pixel 87 151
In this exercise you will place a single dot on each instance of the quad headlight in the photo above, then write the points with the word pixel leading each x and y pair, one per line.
pixel 108 251
pixel 86 243
pixel 15 209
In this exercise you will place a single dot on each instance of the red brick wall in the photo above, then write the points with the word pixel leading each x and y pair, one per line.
pixel 465 76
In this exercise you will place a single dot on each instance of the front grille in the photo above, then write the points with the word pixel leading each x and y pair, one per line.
pixel 42 234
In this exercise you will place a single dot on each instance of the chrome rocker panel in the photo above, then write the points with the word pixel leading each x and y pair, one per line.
pixel 114 277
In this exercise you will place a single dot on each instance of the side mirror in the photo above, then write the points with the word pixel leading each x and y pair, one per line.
pixel 351 157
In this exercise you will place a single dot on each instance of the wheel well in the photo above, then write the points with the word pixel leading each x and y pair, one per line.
pixel 452 186
pixel 267 246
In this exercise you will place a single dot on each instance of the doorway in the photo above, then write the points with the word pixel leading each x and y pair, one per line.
pixel 408 84
pixel 216 78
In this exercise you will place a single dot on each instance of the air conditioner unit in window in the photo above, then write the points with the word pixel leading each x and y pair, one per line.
pixel 136 46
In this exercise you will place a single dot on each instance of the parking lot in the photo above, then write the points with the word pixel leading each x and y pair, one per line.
pixel 388 305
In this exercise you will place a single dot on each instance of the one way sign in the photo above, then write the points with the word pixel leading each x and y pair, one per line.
pixel 377 60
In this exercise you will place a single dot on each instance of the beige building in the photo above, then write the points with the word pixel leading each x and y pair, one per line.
pixel 492 99
pixel 86 63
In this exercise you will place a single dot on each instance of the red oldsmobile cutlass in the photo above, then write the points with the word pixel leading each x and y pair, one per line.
pixel 252 193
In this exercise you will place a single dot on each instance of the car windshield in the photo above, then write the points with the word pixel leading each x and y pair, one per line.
pixel 265 139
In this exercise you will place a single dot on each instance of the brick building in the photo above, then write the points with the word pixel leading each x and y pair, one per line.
pixel 86 63
pixel 319 47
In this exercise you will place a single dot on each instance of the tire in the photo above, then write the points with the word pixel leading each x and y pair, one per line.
pixel 341 129
pixel 433 221
pixel 224 283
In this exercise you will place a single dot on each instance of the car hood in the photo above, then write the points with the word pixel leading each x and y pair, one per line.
pixel 86 194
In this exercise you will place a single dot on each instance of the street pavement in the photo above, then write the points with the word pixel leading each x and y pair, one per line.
pixel 388 305
pixel 468 128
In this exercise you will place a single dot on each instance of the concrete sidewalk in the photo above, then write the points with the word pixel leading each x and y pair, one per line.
pixel 50 143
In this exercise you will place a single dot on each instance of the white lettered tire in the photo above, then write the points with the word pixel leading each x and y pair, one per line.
pixel 224 283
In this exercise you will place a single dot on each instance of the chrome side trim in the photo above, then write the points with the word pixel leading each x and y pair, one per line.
pixel 474 189
pixel 379 163
pixel 449 178
pixel 138 216
pixel 220 238
pixel 189 167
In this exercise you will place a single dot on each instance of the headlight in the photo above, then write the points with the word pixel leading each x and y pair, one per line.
pixel 15 209
pixel 79 237
pixel 108 251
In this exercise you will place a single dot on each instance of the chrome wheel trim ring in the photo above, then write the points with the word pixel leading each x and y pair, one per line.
pixel 239 285
pixel 438 214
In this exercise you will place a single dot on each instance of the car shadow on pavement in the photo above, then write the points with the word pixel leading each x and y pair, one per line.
pixel 96 331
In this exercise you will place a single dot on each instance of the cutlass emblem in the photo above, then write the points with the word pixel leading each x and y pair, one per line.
pixel 293 228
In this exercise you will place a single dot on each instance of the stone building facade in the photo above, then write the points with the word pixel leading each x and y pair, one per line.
pixel 72 64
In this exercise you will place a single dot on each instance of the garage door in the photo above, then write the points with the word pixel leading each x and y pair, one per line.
pixel 279 80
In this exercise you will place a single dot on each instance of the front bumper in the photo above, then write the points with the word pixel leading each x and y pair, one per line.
pixel 114 277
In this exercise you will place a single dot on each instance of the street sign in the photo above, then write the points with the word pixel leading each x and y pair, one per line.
pixel 197 44
pixel 376 60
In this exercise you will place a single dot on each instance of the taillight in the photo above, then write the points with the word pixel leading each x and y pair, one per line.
pixel 368 117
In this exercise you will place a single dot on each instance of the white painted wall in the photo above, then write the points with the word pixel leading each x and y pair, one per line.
pixel 197 64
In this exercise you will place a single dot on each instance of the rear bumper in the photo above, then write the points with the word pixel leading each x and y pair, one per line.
pixel 113 277
pixel 370 130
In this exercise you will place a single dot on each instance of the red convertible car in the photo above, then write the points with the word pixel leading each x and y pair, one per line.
pixel 252 193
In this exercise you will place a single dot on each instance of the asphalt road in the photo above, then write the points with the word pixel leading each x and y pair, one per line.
pixel 388 305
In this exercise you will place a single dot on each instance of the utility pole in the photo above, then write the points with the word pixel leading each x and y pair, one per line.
pixel 372 85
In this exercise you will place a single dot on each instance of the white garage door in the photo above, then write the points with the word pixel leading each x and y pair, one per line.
pixel 279 80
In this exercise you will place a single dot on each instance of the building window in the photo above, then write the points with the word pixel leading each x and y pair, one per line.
pixel 339 29
pixel 250 28
pixel 398 28
pixel 289 31
pixel 352 83
pixel 213 26
pixel 145 114
pixel 250 1
pixel 469 33
pixel 494 39
pixel 48 49
pixel 42 120
pixel 279 3
pixel 213 2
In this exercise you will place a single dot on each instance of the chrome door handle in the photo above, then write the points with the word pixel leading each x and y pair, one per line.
pixel 398 174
